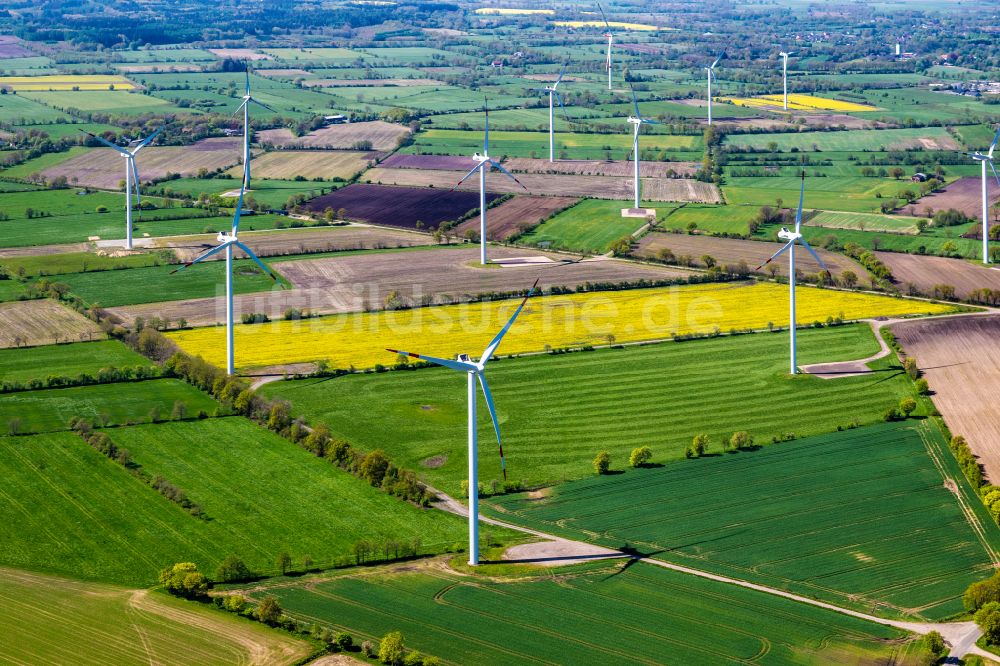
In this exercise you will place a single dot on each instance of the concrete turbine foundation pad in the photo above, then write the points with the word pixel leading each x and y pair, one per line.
pixel 638 212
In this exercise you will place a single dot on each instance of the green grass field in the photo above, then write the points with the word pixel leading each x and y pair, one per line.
pixel 859 518
pixel 553 410
pixel 888 139
pixel 590 226
pixel 922 105
pixel 54 620
pixel 642 615
pixel 864 222
pixel 272 193
pixel 711 218
pixel 67 360
pixel 48 410
pixel 114 102
pixel 70 510
pixel 932 241
pixel 10 290
pixel 81 262
pixel 851 194
pixel 19 110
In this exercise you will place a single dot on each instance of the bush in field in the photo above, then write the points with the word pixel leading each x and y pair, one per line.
pixel 184 580
pixel 391 649
pixel 232 569
pixel 344 641
pixel 602 463
pixel 269 610
pixel 640 457
pixel 910 365
pixel 368 649
pixel 981 593
pixel 923 388
pixel 741 440
pixel 697 447
pixel 988 619
pixel 906 406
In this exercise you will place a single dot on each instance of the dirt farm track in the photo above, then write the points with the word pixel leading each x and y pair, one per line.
pixel 960 357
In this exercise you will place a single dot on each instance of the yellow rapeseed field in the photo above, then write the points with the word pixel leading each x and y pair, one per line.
pixel 613 24
pixel 801 103
pixel 574 320
pixel 66 82
pixel 504 11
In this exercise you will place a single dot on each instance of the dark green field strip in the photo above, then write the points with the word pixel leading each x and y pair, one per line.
pixel 67 360
pixel 47 410
pixel 863 513
pixel 642 615
pixel 556 414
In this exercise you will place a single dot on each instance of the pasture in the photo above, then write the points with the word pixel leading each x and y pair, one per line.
pixel 259 493
pixel 865 222
pixel 66 82
pixel 19 110
pixel 553 410
pixel 710 218
pixel 927 138
pixel 49 410
pixel 359 339
pixel 792 525
pixel 641 615
pixel 95 619
pixel 851 194
pixel 36 265
pixel 114 102
pixel 309 164
pixel 67 360
pixel 590 226
pixel 43 322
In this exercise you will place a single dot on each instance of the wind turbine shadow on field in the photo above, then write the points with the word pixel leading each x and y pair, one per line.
pixel 557 558
pixel 634 555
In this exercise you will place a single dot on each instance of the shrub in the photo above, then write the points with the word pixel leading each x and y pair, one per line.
pixel 640 457
pixel 391 649
pixel 910 365
pixel 923 388
pixel 184 580
pixel 235 603
pixel 374 466
pixel 698 446
pixel 602 463
pixel 232 569
pixel 344 641
pixel 269 610
pixel 906 406
pixel 741 440
pixel 368 649
pixel 413 659
pixel 988 619
pixel 981 593
pixel 892 414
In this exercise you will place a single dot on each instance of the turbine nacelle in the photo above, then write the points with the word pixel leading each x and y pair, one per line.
pixel 786 234
pixel 482 159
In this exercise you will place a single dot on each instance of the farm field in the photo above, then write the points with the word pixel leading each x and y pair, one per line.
pixel 605 187
pixel 965 194
pixel 864 222
pixel 641 614
pixel 382 135
pixel 96 619
pixel 733 251
pixel 58 263
pixel 709 218
pixel 345 283
pixel 935 240
pixel 10 290
pixel 287 164
pixel 559 321
pixel 590 226
pixel 927 272
pixel 265 191
pixel 553 408
pixel 105 524
pixel 43 322
pixel 67 360
pixel 801 103
pixel 49 410
pixel 793 526
pixel 105 101
pixel 959 359
pixel 66 82
pixel 398 206
pixel 857 195
pixel 517 213
pixel 622 169
pixel 20 110
pixel 928 138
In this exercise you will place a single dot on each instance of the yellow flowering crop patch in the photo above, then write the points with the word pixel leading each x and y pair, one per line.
pixel 574 320
pixel 506 11
pixel 801 103
pixel 66 82
pixel 613 24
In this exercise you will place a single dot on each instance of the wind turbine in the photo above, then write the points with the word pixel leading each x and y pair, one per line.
pixel 637 122
pixel 485 163
pixel 226 242
pixel 131 177
pixel 475 371
pixel 553 93
pixel 987 159
pixel 611 38
pixel 245 106
pixel 794 237
pixel 711 73
pixel 784 74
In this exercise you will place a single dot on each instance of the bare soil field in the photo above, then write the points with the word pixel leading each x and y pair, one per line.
pixel 326 164
pixel 836 120
pixel 960 358
pixel 11 47
pixel 644 48
pixel 732 250
pixel 383 136
pixel 43 250
pixel 300 241
pixel 603 187
pixel 551 77
pixel 104 168
pixel 439 162
pixel 925 272
pixel 353 283
pixel 965 194
pixel 43 322
pixel 240 54
pixel 369 83
pixel 600 167
pixel 509 217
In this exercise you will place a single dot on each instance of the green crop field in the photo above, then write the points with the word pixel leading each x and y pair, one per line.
pixel 52 620
pixel 67 360
pixel 10 290
pixel 590 226
pixel 271 193
pixel 854 139
pixel 577 146
pixel 81 262
pixel 922 105
pixel 642 615
pixel 513 119
pixel 104 101
pixel 48 410
pixel 56 202
pixel 553 409
pixel 858 518
pixel 857 194
pixel 933 241
pixel 19 110
pixel 260 495
pixel 865 222
pixel 711 218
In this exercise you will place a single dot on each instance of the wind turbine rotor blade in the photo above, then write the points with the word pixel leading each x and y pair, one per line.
pixel 562 106
pixel 145 142
pixel 995 174
pixel 135 183
pixel 246 71
pixel 486 130
pixel 493 417
pixel 239 108
pixel 492 347
pixel 802 195
pixel 993 145
pixel 257 260
pixel 107 143
pixel 775 255
pixel 508 173
pixel 202 257
pixel 259 103
pixel 721 56
pixel 606 24
pixel 461 366
pixel 466 176
pixel 813 253
pixel 561 73
pixel 239 210
pixel 635 100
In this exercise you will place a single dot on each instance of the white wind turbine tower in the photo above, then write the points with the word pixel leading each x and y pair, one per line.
pixel 226 242
pixel 793 237
pixel 131 177
pixel 611 38
pixel 245 107
pixel 784 74
pixel 710 70
pixel 485 163
pixel 475 371
pixel 637 122
pixel 553 93
pixel 984 160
